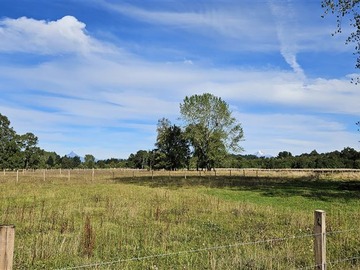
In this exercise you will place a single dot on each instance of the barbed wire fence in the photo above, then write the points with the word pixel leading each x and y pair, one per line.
pixel 335 259
pixel 230 246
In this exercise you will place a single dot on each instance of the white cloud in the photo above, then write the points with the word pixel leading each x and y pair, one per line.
pixel 234 21
pixel 251 26
pixel 285 19
pixel 66 35
pixel 129 94
pixel 297 133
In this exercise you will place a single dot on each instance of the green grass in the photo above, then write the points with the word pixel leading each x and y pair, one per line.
pixel 61 223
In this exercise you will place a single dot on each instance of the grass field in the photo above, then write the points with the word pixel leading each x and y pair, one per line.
pixel 115 219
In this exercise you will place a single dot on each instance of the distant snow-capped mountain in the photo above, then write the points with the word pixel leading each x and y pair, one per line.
pixel 72 154
pixel 261 154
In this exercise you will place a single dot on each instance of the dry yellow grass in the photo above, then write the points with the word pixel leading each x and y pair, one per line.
pixel 196 223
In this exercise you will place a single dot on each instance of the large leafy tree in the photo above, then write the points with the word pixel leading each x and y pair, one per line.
pixel 211 129
pixel 30 152
pixel 172 145
pixel 139 161
pixel 70 162
pixel 9 145
pixel 89 161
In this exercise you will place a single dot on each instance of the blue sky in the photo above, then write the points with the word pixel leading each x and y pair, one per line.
pixel 94 76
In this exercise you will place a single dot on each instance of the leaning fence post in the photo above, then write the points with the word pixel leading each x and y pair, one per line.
pixel 7 237
pixel 320 239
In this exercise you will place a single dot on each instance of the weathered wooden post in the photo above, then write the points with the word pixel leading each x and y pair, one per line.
pixel 7 237
pixel 17 176
pixel 320 239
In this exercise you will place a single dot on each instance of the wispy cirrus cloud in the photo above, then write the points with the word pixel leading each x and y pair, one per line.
pixel 285 21
pixel 237 22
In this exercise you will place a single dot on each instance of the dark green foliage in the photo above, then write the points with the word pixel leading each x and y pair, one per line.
pixel 17 151
pixel 138 161
pixel 89 161
pixel 70 162
pixel 348 158
pixel 111 163
pixel 9 150
pixel 30 151
pixel 172 147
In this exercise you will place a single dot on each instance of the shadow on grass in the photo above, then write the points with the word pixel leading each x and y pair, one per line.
pixel 310 187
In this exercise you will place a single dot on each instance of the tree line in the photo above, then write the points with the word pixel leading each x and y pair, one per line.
pixel 208 138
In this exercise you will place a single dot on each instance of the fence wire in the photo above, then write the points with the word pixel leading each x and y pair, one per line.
pixel 187 252
pixel 108 263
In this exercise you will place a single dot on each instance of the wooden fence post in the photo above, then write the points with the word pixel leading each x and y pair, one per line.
pixel 320 239
pixel 7 237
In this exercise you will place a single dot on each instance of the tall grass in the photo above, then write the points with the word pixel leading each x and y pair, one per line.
pixel 201 222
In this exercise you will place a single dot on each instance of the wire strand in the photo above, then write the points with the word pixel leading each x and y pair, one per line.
pixel 187 251
pixel 217 248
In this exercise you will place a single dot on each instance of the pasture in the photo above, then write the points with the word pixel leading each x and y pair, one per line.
pixel 231 219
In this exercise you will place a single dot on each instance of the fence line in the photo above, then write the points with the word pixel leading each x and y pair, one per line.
pixel 316 235
pixel 97 264
pixel 188 251
pixel 91 175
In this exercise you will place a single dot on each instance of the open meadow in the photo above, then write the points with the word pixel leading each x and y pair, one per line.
pixel 231 219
